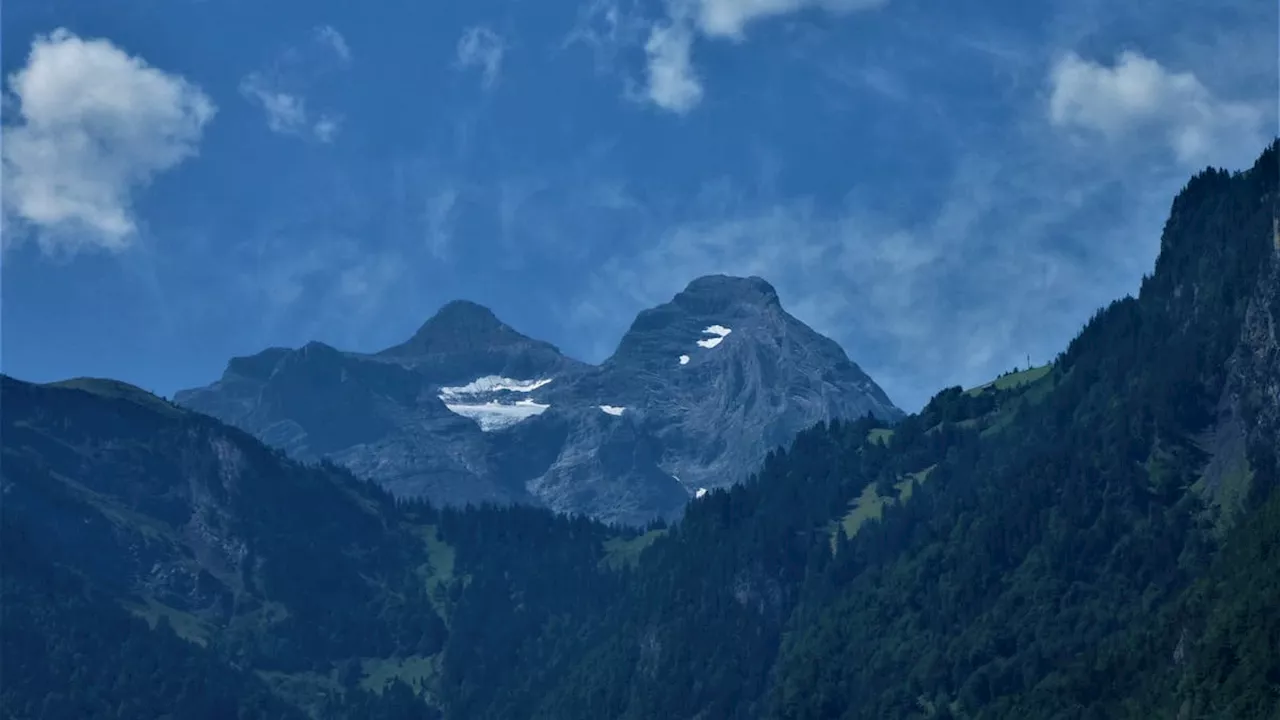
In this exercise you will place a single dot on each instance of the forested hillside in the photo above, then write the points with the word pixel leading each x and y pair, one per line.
pixel 1099 538
pixel 159 563
pixel 1046 546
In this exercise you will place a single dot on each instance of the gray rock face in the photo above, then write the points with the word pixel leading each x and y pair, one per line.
pixel 1249 408
pixel 1253 380
pixel 468 410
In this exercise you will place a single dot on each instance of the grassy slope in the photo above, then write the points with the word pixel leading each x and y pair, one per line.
pixel 1031 384
pixel 622 551
pixel 115 389
pixel 1014 380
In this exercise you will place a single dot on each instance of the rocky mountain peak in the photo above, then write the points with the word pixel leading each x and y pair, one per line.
pixel 464 341
pixel 700 389
pixel 712 293
pixel 711 314
pixel 463 313
pixel 258 366
pixel 458 325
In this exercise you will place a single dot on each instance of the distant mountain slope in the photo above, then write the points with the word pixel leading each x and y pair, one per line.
pixel 468 410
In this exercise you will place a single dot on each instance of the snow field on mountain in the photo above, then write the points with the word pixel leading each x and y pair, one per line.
pixel 481 400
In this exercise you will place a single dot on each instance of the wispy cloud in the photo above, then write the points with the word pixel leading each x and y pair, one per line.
pixel 729 18
pixel 481 48
pixel 327 35
pixel 96 125
pixel 439 222
pixel 920 303
pixel 326 128
pixel 286 112
pixel 307 281
pixel 281 89
pixel 607 27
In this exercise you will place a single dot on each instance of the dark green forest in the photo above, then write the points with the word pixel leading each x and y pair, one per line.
pixel 1097 538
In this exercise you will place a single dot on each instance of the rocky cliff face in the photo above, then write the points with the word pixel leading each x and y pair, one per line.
pixel 1254 382
pixel 469 410
pixel 1246 438
pixel 722 374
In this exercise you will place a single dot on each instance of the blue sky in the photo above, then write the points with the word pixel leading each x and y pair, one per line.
pixel 944 188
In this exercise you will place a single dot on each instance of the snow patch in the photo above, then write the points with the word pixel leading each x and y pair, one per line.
pixel 684 359
pixel 719 331
pixel 482 400
pixel 494 415
pixel 493 383
pixel 612 410
pixel 700 493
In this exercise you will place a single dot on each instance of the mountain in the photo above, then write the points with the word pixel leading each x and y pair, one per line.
pixel 160 553
pixel 464 341
pixel 469 410
pixel 158 563
pixel 1096 538
pixel 753 377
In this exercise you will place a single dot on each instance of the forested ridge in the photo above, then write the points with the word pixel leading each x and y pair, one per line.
pixel 1098 538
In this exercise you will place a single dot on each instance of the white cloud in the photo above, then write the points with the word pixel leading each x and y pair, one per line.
pixel 1137 95
pixel 287 112
pixel 326 128
pixel 439 221
pixel 482 48
pixel 672 82
pixel 96 124
pixel 606 26
pixel 327 35
pixel 728 18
